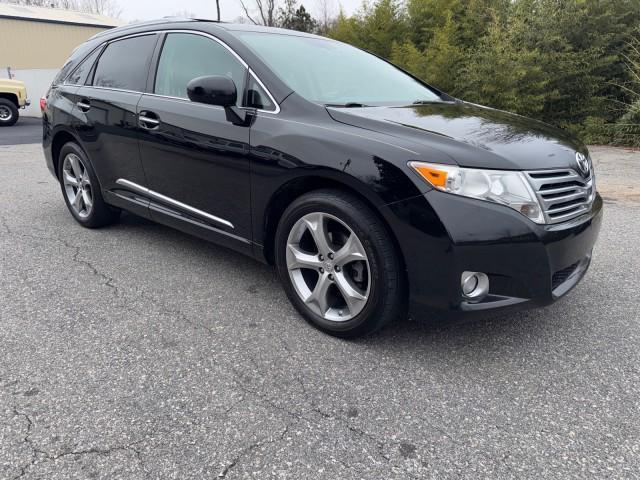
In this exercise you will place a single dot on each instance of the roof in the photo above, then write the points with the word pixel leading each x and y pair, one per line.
pixel 56 15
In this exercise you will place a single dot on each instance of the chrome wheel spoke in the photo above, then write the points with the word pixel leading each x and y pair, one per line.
pixel 317 226
pixel 319 298
pixel 296 258
pixel 84 179
pixel 74 161
pixel 351 251
pixel 70 179
pixel 87 200
pixel 354 299
pixel 77 201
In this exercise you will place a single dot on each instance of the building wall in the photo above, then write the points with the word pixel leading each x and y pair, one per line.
pixel 35 51
pixel 26 44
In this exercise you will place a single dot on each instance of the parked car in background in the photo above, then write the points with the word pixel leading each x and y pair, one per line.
pixel 13 96
pixel 369 190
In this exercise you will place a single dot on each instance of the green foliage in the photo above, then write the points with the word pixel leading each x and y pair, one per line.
pixel 561 61
pixel 627 129
pixel 296 18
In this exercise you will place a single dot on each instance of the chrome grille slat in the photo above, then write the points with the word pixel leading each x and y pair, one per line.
pixel 563 198
pixel 563 193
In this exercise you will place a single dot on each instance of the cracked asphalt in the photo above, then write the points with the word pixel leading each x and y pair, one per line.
pixel 138 352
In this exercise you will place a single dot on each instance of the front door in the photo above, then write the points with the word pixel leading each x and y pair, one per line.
pixel 196 162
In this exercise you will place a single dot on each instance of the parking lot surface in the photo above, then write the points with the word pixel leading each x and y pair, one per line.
pixel 136 352
pixel 27 130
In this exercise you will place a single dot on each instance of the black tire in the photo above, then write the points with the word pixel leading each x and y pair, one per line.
pixel 386 299
pixel 8 105
pixel 100 214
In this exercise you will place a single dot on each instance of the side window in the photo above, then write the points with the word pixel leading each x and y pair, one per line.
pixel 257 97
pixel 187 56
pixel 79 75
pixel 124 64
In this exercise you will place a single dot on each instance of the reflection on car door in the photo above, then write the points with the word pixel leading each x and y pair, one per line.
pixel 196 162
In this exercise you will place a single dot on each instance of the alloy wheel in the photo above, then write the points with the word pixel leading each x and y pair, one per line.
pixel 77 185
pixel 328 266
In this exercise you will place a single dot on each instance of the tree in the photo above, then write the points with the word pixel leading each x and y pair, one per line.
pixel 296 18
pixel 627 129
pixel 266 12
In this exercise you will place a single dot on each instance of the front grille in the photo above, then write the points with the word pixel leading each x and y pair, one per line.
pixel 563 194
pixel 561 276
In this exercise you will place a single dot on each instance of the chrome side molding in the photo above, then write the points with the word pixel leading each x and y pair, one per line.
pixel 163 198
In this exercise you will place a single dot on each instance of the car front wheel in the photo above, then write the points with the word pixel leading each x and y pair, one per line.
pixel 338 264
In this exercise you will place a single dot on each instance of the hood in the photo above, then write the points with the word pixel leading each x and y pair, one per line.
pixel 471 135
pixel 6 83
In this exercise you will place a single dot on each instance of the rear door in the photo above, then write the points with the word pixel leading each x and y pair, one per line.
pixel 105 115
pixel 196 161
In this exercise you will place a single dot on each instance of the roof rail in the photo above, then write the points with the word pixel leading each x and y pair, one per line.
pixel 132 26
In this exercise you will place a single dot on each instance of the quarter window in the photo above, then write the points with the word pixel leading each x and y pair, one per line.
pixel 187 56
pixel 79 76
pixel 257 97
pixel 125 64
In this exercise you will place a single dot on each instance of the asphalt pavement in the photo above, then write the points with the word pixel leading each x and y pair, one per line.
pixel 27 130
pixel 136 351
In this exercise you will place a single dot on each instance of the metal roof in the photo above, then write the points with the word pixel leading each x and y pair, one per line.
pixel 56 15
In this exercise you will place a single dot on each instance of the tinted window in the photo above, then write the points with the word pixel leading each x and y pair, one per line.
pixel 79 76
pixel 330 72
pixel 124 64
pixel 257 97
pixel 186 56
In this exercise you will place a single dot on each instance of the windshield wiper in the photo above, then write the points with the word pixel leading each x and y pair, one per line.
pixel 346 105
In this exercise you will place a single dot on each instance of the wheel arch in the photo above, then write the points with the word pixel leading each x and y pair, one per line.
pixel 297 187
pixel 60 138
pixel 12 97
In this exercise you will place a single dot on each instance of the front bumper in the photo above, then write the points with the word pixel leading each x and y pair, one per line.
pixel 528 265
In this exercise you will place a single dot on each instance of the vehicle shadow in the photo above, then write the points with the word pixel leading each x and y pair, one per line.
pixel 437 335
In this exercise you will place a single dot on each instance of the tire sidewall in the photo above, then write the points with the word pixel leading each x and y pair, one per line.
pixel 360 322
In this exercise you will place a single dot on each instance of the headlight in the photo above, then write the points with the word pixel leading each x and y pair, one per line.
pixel 500 186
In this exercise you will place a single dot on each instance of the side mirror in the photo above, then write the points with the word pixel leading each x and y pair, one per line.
pixel 219 90
pixel 213 90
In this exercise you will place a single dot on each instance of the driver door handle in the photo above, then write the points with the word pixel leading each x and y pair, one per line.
pixel 148 120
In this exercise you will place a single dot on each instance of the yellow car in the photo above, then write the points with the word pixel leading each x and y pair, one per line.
pixel 13 95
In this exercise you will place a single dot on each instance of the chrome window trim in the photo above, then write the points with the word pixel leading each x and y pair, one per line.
pixel 158 196
pixel 202 34
pixel 238 57
pixel 273 100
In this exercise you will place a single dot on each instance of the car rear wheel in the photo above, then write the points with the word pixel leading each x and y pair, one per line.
pixel 8 113
pixel 338 264
pixel 81 189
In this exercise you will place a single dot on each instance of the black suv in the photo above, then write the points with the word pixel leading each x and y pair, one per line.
pixel 369 190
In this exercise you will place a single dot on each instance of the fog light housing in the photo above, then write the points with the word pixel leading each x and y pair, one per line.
pixel 475 285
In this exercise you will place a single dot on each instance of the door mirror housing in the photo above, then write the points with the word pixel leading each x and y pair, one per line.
pixel 213 90
pixel 221 91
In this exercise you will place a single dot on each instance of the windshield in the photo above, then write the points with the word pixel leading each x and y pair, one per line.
pixel 329 72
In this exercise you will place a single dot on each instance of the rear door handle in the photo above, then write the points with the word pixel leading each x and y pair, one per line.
pixel 84 105
pixel 148 120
